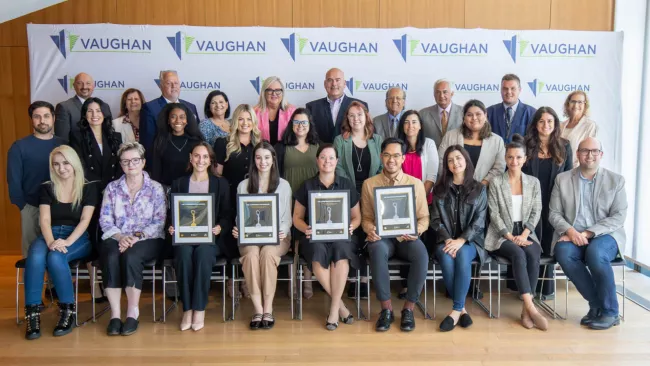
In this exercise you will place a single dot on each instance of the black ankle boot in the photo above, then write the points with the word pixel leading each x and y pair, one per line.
pixel 67 318
pixel 33 322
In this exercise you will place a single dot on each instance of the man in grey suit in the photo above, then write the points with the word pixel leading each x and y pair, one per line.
pixel 444 115
pixel 587 209
pixel 68 113
pixel 386 124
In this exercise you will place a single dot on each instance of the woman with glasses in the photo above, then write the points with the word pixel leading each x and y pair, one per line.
pixel 578 126
pixel 217 111
pixel 132 218
pixel 272 110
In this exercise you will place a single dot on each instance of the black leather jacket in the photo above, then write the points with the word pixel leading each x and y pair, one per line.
pixel 473 211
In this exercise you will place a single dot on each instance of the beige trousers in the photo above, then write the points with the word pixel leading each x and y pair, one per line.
pixel 260 266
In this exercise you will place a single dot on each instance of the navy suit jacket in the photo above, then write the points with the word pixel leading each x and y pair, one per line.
pixel 496 114
pixel 322 115
pixel 148 115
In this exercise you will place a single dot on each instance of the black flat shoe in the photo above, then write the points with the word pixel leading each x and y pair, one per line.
pixel 114 327
pixel 268 321
pixel 590 317
pixel 447 324
pixel 347 320
pixel 604 322
pixel 330 326
pixel 256 322
pixel 386 317
pixel 130 326
pixel 465 321
pixel 407 323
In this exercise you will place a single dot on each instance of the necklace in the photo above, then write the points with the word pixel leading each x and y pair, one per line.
pixel 181 148
pixel 359 169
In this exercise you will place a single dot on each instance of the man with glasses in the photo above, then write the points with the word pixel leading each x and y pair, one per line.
pixel 511 116
pixel 170 86
pixel 68 113
pixel 444 115
pixel 406 247
pixel 386 124
pixel 328 113
pixel 588 208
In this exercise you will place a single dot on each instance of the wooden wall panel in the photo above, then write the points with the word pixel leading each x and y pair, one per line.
pixel 490 14
pixel 593 15
pixel 422 13
pixel 508 14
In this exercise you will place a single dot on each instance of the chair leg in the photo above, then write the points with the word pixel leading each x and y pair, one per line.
pixel 499 290
pixel 490 288
pixel 17 295
pixel 164 299
pixel 555 290
pixel 624 294
pixel 92 291
pixel 368 287
pixel 358 285
pixel 566 298
pixel 425 298
pixel 301 276
pixel 153 292
pixel 291 278
pixel 434 290
pixel 232 314
pixel 76 296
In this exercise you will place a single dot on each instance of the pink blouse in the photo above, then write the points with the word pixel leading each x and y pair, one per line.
pixel 413 167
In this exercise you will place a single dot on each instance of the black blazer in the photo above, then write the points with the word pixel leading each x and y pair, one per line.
pixel 102 166
pixel 322 115
pixel 532 166
pixel 222 209
pixel 473 211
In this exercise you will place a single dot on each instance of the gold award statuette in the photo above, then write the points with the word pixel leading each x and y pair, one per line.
pixel 193 212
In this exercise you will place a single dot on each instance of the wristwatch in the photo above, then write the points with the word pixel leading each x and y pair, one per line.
pixel 139 234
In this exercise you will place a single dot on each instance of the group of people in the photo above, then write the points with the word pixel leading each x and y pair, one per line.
pixel 508 180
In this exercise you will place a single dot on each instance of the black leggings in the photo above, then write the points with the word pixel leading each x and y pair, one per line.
pixel 525 264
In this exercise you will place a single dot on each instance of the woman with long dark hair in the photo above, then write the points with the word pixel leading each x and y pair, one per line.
pixel 260 263
pixel 176 136
pixel 458 218
pixel 547 155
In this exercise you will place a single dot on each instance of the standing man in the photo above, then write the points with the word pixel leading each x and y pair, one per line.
pixel 28 165
pixel 68 113
pixel 444 115
pixel 510 116
pixel 588 208
pixel 328 112
pixel 407 247
pixel 386 124
pixel 170 86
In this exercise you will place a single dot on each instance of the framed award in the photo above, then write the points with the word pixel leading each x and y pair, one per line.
pixel 258 219
pixel 192 218
pixel 329 215
pixel 395 211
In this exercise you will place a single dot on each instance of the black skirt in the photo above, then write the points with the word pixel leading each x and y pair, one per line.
pixel 328 252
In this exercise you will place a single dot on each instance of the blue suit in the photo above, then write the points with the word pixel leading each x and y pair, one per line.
pixel 322 115
pixel 496 114
pixel 148 115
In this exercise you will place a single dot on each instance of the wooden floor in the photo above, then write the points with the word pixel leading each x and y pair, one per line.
pixel 488 342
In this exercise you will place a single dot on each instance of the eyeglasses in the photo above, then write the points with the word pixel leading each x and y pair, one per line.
pixel 303 123
pixel 593 152
pixel 127 162
pixel 389 156
pixel 274 91
pixel 578 102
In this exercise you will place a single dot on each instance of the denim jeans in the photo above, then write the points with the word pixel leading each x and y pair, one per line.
pixel 457 272
pixel 597 284
pixel 40 258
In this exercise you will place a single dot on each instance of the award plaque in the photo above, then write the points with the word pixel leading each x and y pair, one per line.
pixel 395 211
pixel 258 219
pixel 329 215
pixel 192 218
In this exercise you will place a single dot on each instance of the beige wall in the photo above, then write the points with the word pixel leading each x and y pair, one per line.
pixel 595 15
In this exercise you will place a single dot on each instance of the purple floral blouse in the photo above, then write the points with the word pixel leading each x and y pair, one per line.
pixel 145 214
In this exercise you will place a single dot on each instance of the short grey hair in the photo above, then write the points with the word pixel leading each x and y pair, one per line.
pixel 131 146
pixel 396 88
pixel 164 73
pixel 440 81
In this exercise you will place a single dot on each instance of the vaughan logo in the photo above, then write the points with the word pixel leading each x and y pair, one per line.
pixel 77 43
pixel 196 85
pixel 190 45
pixel 540 87
pixel 288 85
pixel 408 47
pixel 462 87
pixel 296 45
pixel 360 86
pixel 518 47
pixel 67 83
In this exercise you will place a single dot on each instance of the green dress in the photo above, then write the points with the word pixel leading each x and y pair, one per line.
pixel 299 166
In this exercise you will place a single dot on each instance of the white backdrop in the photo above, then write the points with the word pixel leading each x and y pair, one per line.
pixel 236 60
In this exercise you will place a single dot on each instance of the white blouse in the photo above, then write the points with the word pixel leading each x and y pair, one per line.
pixel 517 204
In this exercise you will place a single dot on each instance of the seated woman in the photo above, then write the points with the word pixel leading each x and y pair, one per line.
pixel 260 263
pixel 132 218
pixel 193 263
pixel 66 206
pixel 458 218
pixel 340 254
pixel 515 203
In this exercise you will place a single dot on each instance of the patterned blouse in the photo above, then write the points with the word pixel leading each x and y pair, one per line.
pixel 136 130
pixel 210 131
pixel 145 214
